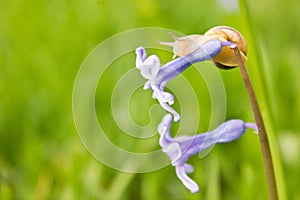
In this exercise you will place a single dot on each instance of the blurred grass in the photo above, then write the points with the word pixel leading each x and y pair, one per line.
pixel 264 92
pixel 43 43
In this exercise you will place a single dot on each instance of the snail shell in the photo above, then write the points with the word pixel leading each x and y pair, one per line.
pixel 226 58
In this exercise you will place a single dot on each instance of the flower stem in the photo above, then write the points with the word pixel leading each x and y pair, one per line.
pixel 261 128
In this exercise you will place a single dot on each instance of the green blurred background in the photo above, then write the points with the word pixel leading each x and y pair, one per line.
pixel 42 45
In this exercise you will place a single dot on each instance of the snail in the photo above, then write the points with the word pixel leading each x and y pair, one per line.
pixel 225 59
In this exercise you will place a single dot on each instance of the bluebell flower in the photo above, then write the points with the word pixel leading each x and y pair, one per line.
pixel 180 148
pixel 217 45
pixel 158 76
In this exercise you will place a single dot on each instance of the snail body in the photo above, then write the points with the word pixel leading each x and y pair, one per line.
pixel 186 44
pixel 225 59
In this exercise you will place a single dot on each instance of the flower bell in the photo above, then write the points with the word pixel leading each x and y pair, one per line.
pixel 180 148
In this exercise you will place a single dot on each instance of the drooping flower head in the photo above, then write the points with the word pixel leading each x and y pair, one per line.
pixel 159 76
pixel 180 148
pixel 216 45
pixel 201 49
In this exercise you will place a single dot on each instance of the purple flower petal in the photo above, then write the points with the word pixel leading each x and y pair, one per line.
pixel 173 151
pixel 187 181
pixel 140 57
pixel 150 67
pixel 188 168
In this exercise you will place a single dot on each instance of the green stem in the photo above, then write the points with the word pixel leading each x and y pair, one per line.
pixel 264 141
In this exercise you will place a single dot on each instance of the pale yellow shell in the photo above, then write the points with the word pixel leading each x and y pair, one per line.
pixel 225 59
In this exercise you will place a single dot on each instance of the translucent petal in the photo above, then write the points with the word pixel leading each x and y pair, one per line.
pixel 150 67
pixel 173 151
pixel 187 181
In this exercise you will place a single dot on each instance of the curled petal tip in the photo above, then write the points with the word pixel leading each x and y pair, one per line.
pixel 149 67
pixel 188 168
pixel 176 117
pixel 195 190
pixel 171 101
pixel 140 57
pixel 187 181
pixel 141 52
